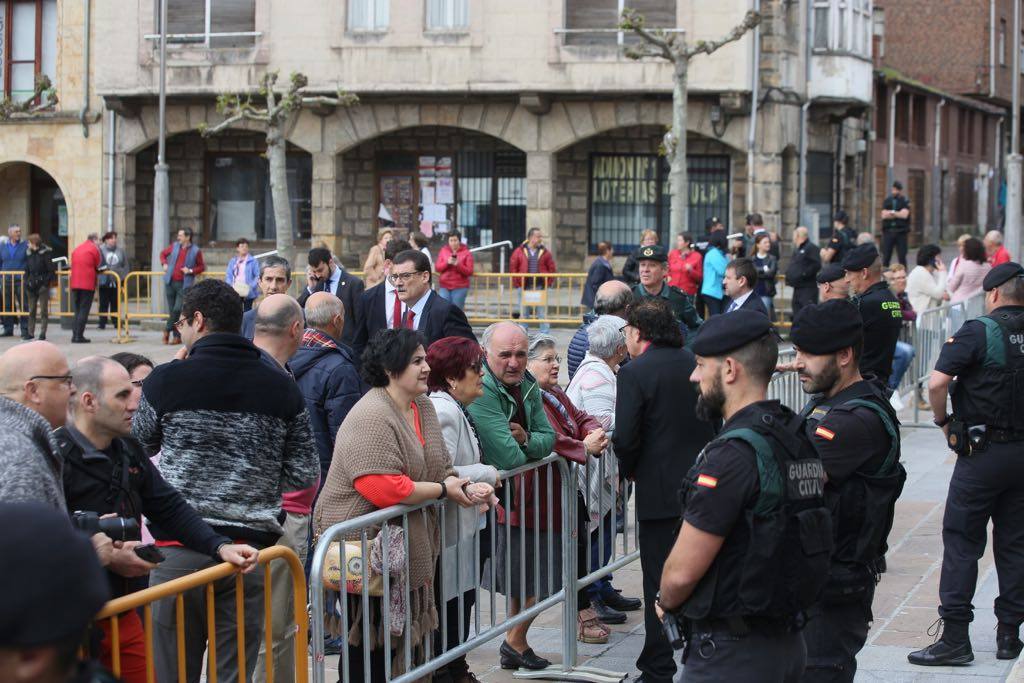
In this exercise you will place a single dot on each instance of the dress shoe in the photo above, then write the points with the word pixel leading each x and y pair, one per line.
pixel 510 659
pixel 81 340
pixel 42 337
pixel 1008 643
pixel 617 601
pixel 167 337
pixel 943 653
pixel 606 614
pixel 27 336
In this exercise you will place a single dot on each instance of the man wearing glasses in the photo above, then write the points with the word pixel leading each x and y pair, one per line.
pixel 415 306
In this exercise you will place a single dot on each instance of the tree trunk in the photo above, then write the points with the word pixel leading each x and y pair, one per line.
pixel 276 148
pixel 679 216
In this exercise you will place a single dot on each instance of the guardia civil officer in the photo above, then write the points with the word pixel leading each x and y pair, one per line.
pixel 986 430
pixel 752 552
pixel 854 429
pixel 653 269
pixel 879 307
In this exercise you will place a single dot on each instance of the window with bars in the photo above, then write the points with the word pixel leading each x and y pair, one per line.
pixel 368 15
pixel 447 15
pixel 213 23
pixel 28 45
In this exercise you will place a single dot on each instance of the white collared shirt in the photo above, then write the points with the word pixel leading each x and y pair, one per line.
pixel 332 282
pixel 389 303
pixel 417 309
pixel 739 301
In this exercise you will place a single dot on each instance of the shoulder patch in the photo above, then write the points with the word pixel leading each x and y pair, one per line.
pixel 825 433
pixel 707 481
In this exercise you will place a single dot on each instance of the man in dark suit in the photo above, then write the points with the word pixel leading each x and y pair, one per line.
pixel 738 283
pixel 657 439
pixel 324 275
pixel 803 266
pixel 275 278
pixel 414 306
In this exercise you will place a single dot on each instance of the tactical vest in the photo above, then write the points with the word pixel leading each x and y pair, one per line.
pixel 775 564
pixel 863 512
pixel 993 394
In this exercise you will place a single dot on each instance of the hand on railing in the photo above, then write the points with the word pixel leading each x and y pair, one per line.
pixel 457 492
pixel 482 495
pixel 244 557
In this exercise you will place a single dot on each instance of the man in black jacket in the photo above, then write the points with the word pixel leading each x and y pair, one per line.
pixel 879 307
pixel 657 439
pixel 325 275
pixel 415 306
pixel 804 265
pixel 106 471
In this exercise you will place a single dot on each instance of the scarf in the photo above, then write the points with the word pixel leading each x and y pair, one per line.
pixel 313 338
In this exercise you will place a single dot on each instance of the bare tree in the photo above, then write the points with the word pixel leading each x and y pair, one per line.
pixel 674 48
pixel 275 113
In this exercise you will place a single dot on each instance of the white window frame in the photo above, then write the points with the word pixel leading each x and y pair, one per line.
pixel 197 38
pixel 848 26
pixel 376 12
pixel 451 9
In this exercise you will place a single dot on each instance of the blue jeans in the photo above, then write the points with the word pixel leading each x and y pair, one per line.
pixel 456 297
pixel 900 363
pixel 603 586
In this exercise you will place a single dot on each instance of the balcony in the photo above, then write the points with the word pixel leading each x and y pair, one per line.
pixel 841 69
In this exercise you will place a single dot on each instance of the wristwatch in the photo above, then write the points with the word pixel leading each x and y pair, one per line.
pixel 444 492
pixel 943 422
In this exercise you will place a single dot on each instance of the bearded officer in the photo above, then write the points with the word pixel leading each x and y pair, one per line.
pixel 986 430
pixel 752 552
pixel 856 432
pixel 879 308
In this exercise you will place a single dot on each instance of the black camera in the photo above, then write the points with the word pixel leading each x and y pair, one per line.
pixel 118 528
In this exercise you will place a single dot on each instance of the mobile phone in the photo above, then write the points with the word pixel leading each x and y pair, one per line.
pixel 149 553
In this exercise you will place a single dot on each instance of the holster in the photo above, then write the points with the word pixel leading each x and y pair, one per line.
pixel 958 439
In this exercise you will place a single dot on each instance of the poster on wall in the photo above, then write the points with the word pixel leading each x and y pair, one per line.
pixel 445 191
pixel 397 195
pixel 426 166
pixel 444 167
pixel 426 192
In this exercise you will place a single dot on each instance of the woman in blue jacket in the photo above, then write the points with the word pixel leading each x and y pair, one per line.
pixel 715 261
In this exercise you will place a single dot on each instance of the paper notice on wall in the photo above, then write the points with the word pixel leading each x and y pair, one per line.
pixel 426 166
pixel 427 228
pixel 444 167
pixel 442 227
pixel 435 212
pixel 427 192
pixel 445 193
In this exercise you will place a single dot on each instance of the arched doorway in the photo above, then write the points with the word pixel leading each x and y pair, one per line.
pixel 31 198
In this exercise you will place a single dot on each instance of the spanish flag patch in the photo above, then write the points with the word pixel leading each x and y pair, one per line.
pixel 827 434
pixel 707 481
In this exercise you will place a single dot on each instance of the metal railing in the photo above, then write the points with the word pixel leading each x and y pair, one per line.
pixel 57 301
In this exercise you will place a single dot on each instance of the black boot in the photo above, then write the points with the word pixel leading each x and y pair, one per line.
pixel 952 649
pixel 1008 643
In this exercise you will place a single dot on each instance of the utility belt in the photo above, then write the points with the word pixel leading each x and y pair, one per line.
pixel 742 626
pixel 966 440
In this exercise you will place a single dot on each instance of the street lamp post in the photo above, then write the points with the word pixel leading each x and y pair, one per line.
pixel 1012 229
pixel 161 181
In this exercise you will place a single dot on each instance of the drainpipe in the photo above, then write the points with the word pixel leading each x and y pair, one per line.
pixel 802 180
pixel 938 130
pixel 755 81
pixel 87 6
pixel 892 133
pixel 937 173
pixel 992 48
pixel 110 171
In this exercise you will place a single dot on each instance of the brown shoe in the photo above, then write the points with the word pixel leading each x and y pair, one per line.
pixel 177 339
pixel 590 629
pixel 167 337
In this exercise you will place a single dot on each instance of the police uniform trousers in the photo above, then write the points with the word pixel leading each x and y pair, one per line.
pixel 804 296
pixel 719 656
pixel 988 484
pixel 834 633
pixel 656 538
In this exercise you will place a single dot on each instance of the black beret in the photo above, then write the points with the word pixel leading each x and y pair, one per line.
pixel 827 327
pixel 53 583
pixel 721 334
pixel 830 272
pixel 842 216
pixel 1001 274
pixel 655 252
pixel 711 222
pixel 897 184
pixel 860 257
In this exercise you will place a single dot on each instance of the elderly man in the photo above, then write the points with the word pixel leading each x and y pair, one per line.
pixel 653 272
pixel 997 253
pixel 275 278
pixel 803 266
pixel 832 284
pixel 278 328
pixel 13 259
pixel 613 297
pixel 35 387
pixel 509 442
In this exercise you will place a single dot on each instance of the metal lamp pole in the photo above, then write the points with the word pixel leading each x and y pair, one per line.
pixel 161 180
pixel 1012 228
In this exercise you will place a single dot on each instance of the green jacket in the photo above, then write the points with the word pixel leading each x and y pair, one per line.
pixel 492 412
pixel 682 308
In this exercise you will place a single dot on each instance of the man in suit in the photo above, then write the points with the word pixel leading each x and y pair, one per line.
pixel 324 275
pixel 657 439
pixel 803 266
pixel 738 283
pixel 414 306
pixel 377 304
pixel 275 278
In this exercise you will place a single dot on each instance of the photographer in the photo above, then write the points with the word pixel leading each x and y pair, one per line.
pixel 106 471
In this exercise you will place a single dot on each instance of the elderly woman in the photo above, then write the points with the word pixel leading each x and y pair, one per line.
pixel 577 437
pixel 456 380
pixel 970 271
pixel 592 390
pixel 390 450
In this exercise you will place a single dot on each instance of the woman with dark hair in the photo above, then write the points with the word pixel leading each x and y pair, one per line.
pixel 685 265
pixel 767 266
pixel 390 450
pixel 455 267
pixel 456 380
pixel 971 271
pixel 715 261
pixel 926 283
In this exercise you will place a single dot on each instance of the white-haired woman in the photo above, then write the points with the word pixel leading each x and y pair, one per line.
pixel 592 390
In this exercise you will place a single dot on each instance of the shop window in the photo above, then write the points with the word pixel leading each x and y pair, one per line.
pixel 28 45
pixel 447 15
pixel 213 23
pixel 239 203
pixel 368 15
pixel 632 193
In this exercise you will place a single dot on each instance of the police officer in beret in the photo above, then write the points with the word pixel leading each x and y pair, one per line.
pixel 854 429
pixel 895 224
pixel 653 270
pixel 53 587
pixel 831 281
pixel 752 552
pixel 984 364
pixel 843 239
pixel 879 307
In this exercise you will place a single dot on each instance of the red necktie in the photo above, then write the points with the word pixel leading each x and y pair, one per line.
pixel 409 315
pixel 396 315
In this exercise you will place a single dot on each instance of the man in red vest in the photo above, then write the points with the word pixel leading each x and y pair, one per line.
pixel 85 263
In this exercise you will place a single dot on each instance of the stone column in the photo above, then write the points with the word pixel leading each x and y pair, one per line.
pixel 326 228
pixel 540 191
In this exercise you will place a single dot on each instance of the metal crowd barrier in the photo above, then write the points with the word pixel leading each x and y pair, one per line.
pixel 58 301
pixel 492 615
pixel 204 580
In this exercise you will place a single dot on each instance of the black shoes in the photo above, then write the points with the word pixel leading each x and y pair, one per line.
pixel 81 340
pixel 943 653
pixel 621 603
pixel 607 614
pixel 1008 643
pixel 26 337
pixel 510 659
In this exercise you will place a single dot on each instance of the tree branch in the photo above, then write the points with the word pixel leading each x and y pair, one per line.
pixel 661 45
pixel 751 20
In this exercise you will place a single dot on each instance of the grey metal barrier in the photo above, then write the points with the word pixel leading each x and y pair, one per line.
pixel 522 519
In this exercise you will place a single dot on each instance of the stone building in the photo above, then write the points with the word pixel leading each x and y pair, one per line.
pixel 487 117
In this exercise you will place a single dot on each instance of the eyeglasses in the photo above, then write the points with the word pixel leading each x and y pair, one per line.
pixel 553 359
pixel 477 367
pixel 395 278
pixel 137 382
pixel 182 321
pixel 63 379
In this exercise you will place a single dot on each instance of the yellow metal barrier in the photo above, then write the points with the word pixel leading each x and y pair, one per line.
pixel 14 302
pixel 493 297
pixel 114 610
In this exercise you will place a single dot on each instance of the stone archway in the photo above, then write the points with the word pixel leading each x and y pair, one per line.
pixel 31 196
